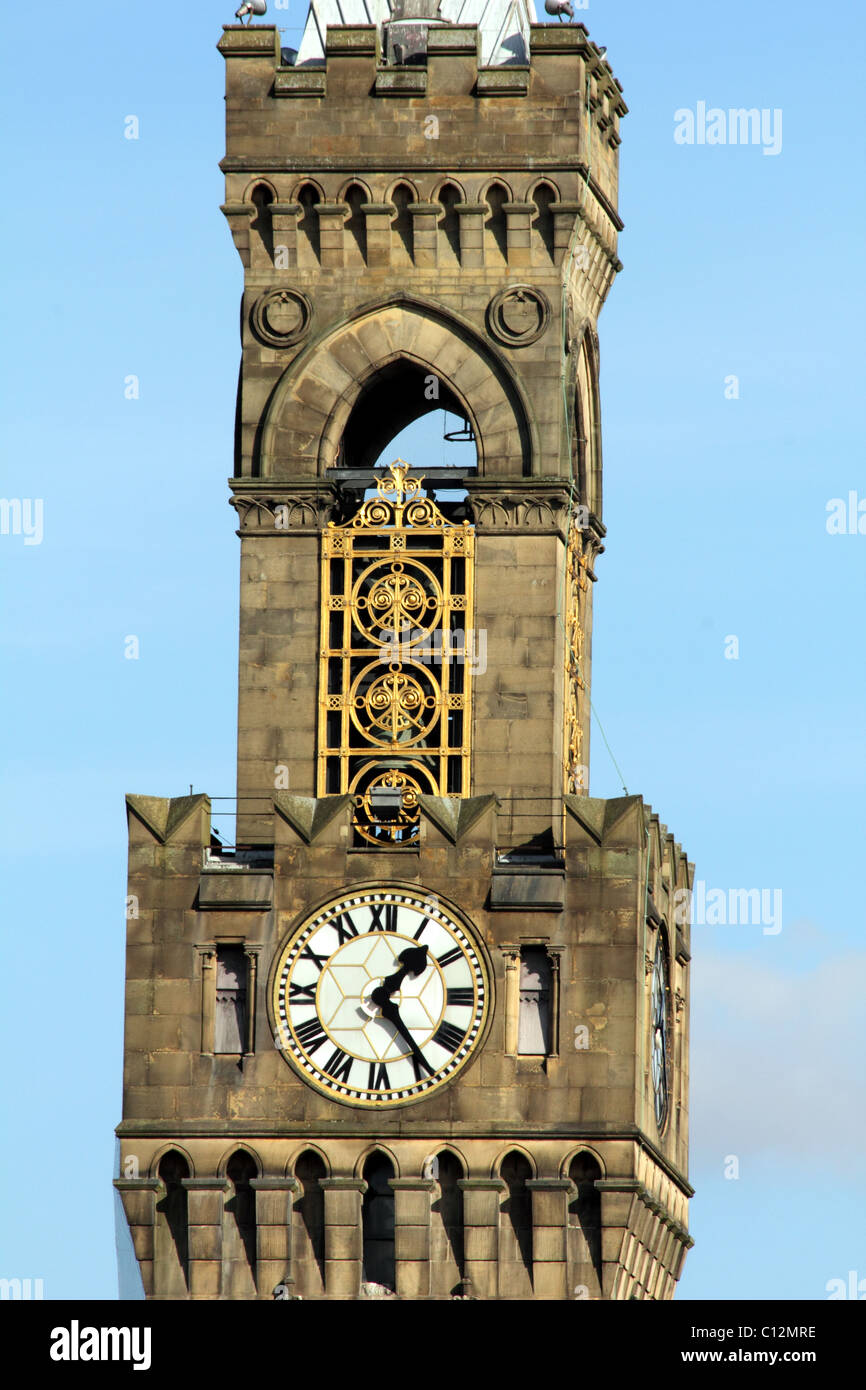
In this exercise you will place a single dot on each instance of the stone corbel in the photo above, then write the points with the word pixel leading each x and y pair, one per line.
pixel 239 216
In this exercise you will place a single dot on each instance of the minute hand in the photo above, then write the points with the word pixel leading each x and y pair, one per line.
pixel 391 1012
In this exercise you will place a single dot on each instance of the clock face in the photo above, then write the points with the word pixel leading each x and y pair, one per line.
pixel 380 998
pixel 659 1034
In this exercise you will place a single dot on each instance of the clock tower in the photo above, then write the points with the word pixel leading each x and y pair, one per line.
pixel 421 1032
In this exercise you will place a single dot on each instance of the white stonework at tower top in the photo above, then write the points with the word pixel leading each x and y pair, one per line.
pixel 502 24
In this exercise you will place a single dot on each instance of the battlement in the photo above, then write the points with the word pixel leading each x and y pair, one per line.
pixel 352 111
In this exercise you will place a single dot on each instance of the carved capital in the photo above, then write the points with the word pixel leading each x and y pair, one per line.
pixel 282 510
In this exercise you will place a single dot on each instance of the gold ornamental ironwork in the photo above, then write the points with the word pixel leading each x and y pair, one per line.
pixel 395 699
pixel 575 772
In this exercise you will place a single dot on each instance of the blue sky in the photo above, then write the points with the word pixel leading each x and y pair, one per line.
pixel 738 264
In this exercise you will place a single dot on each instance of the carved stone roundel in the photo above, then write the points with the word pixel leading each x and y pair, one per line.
pixel 518 315
pixel 281 317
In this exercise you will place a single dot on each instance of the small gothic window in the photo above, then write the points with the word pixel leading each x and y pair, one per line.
pixel 171 1235
pixel 356 226
pixel 239 1231
pixel 308 1219
pixel 533 1034
pixel 515 1229
pixel 401 227
pixel 377 1217
pixel 495 226
pixel 230 1015
pixel 449 225
pixel 542 222
pixel 308 226
pixel 262 197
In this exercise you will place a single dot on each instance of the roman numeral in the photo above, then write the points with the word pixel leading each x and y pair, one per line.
pixel 347 931
pixel 383 917
pixel 310 1034
pixel 309 954
pixel 449 1037
pixel 450 956
pixel 339 1065
pixel 302 994
pixel 417 936
pixel 419 1061
pixel 461 997
pixel 378 1078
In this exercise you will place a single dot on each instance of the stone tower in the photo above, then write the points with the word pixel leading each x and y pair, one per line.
pixel 423 1030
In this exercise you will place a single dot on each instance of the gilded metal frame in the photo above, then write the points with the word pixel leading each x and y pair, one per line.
pixel 576 583
pixel 395 687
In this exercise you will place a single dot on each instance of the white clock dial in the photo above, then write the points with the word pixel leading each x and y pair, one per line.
pixel 380 998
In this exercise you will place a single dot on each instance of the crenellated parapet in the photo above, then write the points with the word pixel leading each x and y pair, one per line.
pixel 557 116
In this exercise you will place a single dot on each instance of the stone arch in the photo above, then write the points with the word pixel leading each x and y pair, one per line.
pixel 160 1154
pixel 402 181
pixel 587 420
pixel 537 183
pixel 351 183
pixel 576 1153
pixel 229 1154
pixel 497 181
pixel 454 1152
pixel 496 1168
pixel 305 1149
pixel 368 1153
pixel 259 182
pixel 448 182
pixel 311 403
pixel 306 182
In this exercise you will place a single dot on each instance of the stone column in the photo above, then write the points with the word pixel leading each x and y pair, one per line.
pixel 512 999
pixel 331 219
pixel 284 222
pixel 425 233
pixel 517 232
pixel 274 1198
pixel 208 996
pixel 471 233
pixel 252 958
pixel 550 1199
pixel 554 956
pixel 378 220
pixel 344 1245
pixel 412 1235
pixel 481 1198
pixel 205 1202
pixel 139 1203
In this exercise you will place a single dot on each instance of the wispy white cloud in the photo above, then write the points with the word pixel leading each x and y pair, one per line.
pixel 777 1055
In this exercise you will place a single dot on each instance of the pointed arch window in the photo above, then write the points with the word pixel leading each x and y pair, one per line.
pixel 377 1219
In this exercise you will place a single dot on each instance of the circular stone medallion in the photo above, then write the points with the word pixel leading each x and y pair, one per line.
pixel 280 318
pixel 518 315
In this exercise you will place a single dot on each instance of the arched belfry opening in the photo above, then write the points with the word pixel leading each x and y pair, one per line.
pixel 397 396
pixel 325 415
